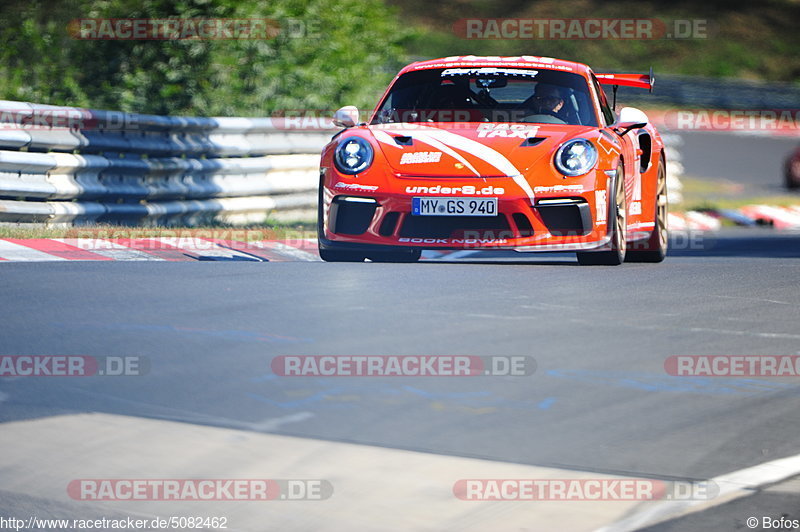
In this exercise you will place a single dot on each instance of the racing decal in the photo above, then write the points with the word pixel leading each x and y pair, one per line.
pixel 642 225
pixel 449 151
pixel 467 190
pixel 386 139
pixel 356 186
pixel 421 157
pixel 525 61
pixel 601 205
pixel 414 240
pixel 559 188
pixel 607 146
pixel 522 131
pixel 543 66
pixel 529 58
pixel 489 71
pixel 637 174
pixel 636 208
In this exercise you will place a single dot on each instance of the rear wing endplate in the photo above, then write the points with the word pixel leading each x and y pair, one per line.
pixel 641 81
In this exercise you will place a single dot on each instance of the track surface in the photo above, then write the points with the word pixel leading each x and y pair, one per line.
pixel 599 401
pixel 752 160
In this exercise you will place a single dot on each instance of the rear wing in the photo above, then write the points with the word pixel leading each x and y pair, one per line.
pixel 641 81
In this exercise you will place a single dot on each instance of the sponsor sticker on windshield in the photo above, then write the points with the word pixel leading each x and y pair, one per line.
pixel 490 71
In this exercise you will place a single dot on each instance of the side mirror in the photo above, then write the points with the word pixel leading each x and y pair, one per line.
pixel 347 116
pixel 630 118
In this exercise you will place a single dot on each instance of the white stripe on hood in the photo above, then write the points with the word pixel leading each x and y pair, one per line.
pixel 485 153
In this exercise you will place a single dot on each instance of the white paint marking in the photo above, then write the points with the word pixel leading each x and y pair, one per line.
pixel 275 422
pixel 201 247
pixel 109 248
pixel 731 486
pixel 15 252
pixel 756 299
pixel 289 251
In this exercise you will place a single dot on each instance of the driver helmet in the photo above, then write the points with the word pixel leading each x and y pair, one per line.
pixel 547 97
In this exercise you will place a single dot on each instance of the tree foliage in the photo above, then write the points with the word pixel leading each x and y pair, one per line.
pixel 327 53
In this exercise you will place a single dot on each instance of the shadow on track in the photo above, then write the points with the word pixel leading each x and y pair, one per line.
pixel 737 243
pixel 734 242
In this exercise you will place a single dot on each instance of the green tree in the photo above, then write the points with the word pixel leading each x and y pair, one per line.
pixel 327 53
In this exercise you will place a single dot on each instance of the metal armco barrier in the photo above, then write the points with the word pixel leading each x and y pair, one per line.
pixel 64 165
pixel 715 93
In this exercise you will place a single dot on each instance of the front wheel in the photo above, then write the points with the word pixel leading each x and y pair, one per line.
pixel 654 248
pixel 618 217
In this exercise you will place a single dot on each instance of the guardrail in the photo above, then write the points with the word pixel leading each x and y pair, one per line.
pixel 70 166
pixel 63 165
pixel 716 93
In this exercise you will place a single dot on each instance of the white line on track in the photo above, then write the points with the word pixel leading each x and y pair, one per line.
pixel 756 299
pixel 189 416
pixel 731 486
pixel 276 422
pixel 733 332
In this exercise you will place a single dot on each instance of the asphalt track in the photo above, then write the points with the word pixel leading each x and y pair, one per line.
pixel 753 160
pixel 599 401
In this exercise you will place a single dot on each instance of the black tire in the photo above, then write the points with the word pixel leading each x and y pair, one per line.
pixel 654 248
pixel 395 256
pixel 618 211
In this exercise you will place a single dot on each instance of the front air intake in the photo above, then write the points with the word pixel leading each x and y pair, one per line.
pixel 351 215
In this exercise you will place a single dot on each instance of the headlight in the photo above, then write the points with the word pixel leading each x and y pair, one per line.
pixel 576 157
pixel 353 155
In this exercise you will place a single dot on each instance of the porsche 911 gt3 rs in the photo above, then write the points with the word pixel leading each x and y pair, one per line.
pixel 521 153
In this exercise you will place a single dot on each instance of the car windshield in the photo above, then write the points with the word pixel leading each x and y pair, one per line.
pixel 487 94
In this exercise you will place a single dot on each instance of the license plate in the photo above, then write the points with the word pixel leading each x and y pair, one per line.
pixel 454 206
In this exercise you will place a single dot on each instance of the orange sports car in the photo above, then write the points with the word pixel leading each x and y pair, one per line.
pixel 521 153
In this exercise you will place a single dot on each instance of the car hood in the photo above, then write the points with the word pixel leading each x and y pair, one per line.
pixel 478 149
